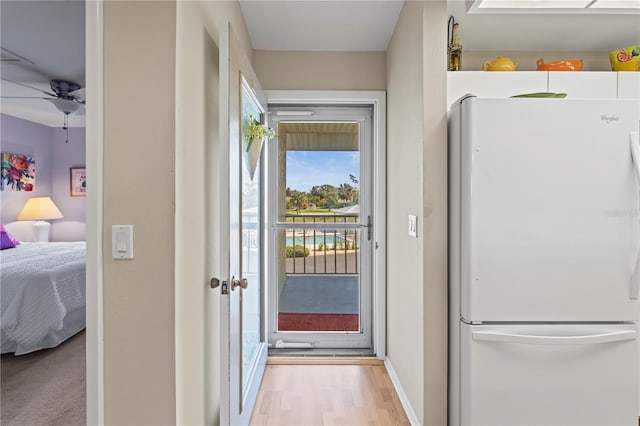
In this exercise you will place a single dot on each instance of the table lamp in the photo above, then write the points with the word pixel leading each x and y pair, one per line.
pixel 40 209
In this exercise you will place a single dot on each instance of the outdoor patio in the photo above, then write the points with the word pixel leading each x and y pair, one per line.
pixel 319 303
pixel 321 289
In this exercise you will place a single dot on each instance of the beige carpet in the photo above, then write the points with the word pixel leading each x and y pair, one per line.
pixel 46 387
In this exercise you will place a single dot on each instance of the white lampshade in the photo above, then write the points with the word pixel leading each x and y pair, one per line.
pixel 40 209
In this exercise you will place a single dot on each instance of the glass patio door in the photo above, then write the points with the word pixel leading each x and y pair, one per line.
pixel 321 228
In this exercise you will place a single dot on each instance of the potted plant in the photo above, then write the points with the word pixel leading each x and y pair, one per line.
pixel 254 130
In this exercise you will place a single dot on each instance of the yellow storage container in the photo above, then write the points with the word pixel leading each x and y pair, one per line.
pixel 627 59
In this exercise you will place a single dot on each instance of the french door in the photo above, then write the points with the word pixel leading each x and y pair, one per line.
pixel 243 348
pixel 320 228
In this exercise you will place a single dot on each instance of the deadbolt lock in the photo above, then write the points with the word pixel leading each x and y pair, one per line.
pixel 214 283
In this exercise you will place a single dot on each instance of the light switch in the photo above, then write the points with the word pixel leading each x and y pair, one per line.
pixel 413 227
pixel 122 241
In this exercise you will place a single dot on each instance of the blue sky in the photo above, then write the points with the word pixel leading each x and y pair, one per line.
pixel 308 168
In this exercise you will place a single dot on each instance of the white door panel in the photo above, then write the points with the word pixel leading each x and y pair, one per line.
pixel 243 350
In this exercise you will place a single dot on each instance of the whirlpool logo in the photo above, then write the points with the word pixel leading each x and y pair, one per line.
pixel 609 118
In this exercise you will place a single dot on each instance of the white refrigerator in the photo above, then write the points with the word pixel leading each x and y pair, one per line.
pixel 543 265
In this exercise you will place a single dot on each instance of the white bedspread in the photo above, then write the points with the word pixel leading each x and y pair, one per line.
pixel 41 283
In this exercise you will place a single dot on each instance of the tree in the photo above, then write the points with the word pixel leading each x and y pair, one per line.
pixel 346 193
pixel 299 200
pixel 332 201
pixel 323 196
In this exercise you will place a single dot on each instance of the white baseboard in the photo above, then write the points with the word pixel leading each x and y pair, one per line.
pixel 413 419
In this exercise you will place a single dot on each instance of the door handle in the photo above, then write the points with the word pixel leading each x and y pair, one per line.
pixel 369 227
pixel 242 283
pixel 634 138
pixel 494 336
pixel 634 288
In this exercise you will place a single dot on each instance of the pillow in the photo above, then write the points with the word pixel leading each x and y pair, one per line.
pixel 11 237
pixel 5 241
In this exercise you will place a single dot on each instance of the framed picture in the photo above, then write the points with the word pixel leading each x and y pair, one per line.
pixel 78 181
pixel 17 172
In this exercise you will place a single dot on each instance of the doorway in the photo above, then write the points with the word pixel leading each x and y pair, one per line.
pixel 326 267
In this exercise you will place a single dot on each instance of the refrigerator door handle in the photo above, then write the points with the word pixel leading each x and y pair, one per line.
pixel 634 288
pixel 496 336
pixel 634 142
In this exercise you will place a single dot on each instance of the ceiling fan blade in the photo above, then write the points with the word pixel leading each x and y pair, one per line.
pixel 23 97
pixel 30 87
pixel 79 95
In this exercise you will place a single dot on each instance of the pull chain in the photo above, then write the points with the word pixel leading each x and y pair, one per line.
pixel 66 126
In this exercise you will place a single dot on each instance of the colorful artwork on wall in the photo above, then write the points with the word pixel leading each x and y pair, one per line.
pixel 18 172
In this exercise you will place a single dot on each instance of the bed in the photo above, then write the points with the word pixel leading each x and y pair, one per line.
pixel 42 295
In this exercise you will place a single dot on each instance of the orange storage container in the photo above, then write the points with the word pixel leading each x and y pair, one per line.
pixel 562 65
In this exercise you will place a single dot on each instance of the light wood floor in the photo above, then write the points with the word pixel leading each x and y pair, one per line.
pixel 350 395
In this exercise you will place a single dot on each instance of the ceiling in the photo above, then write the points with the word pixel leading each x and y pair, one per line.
pixel 50 35
pixel 368 26
pixel 321 25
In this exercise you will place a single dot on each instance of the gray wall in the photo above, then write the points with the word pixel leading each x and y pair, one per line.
pixel 417 185
pixel 285 70
pixel 138 162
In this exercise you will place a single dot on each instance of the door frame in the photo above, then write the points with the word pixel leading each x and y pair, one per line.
pixel 363 338
pixel 377 100
pixel 94 52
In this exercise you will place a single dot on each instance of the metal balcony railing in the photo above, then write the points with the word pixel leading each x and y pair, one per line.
pixel 316 252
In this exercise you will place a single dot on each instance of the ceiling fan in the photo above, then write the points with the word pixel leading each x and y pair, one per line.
pixel 68 97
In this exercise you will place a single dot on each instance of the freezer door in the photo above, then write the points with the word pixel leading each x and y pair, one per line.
pixel 549 375
pixel 548 210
